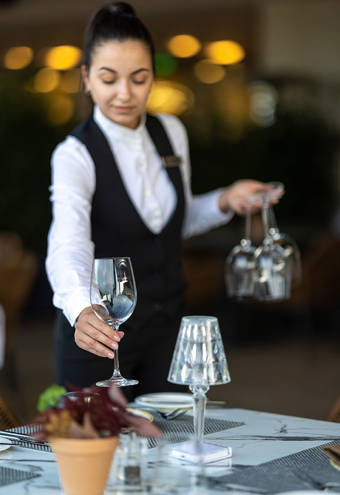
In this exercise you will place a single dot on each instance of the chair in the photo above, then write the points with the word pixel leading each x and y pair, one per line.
pixel 334 413
pixel 18 269
pixel 7 417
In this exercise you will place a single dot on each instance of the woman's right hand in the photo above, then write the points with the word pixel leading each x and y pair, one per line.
pixel 93 335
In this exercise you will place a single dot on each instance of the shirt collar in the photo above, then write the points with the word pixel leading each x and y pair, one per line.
pixel 115 131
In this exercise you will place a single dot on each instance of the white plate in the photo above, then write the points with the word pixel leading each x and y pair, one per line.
pixel 2 442
pixel 165 401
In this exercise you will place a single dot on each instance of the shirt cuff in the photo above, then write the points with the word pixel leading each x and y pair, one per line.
pixel 204 214
pixel 74 304
pixel 220 217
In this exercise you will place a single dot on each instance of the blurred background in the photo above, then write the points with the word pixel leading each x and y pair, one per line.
pixel 257 84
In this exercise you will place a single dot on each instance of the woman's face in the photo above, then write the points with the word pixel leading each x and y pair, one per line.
pixel 120 79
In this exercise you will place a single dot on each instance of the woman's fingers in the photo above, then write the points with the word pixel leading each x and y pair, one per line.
pixel 96 336
pixel 89 344
pixel 245 194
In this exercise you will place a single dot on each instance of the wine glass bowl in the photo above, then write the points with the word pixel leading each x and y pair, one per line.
pixel 291 251
pixel 113 296
pixel 239 270
pixel 272 273
pixel 239 266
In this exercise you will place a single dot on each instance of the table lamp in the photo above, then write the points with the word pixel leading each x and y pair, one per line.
pixel 199 361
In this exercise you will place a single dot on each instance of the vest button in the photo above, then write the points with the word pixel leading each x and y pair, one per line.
pixel 157 307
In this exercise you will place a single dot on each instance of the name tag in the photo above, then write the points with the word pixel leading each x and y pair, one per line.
pixel 171 161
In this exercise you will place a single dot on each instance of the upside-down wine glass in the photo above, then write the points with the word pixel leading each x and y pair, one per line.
pixel 240 264
pixel 199 361
pixel 113 296
pixel 291 250
pixel 272 269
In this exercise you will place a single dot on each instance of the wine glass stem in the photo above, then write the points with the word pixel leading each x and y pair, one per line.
pixel 199 411
pixel 265 215
pixel 247 228
pixel 116 371
pixel 272 219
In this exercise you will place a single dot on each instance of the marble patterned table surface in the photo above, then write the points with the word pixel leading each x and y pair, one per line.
pixel 264 437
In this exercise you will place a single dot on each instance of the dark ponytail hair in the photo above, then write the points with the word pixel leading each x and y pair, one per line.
pixel 115 21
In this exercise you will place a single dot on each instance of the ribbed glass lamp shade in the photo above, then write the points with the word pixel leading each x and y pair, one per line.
pixel 199 358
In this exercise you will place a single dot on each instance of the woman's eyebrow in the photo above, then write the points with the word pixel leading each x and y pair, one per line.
pixel 143 69
pixel 108 69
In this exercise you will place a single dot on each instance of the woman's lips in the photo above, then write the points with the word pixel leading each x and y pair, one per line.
pixel 124 109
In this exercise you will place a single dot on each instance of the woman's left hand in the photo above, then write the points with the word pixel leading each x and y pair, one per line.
pixel 237 196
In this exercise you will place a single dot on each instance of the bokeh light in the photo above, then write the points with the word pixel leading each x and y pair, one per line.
pixel 46 80
pixel 208 72
pixel 170 97
pixel 63 57
pixel 184 45
pixel 225 52
pixel 70 81
pixel 18 57
pixel 165 65
pixel 60 109
pixel 263 102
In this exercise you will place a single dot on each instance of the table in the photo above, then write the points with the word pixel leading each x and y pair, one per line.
pixel 254 448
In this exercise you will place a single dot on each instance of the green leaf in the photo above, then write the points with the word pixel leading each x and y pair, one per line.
pixel 50 397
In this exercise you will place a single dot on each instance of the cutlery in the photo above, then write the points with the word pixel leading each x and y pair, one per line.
pixel 27 444
pixel 22 440
pixel 16 436
pixel 175 413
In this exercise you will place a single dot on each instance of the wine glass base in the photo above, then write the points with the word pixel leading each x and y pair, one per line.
pixel 119 381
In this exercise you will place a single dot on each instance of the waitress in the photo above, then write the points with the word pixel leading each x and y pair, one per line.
pixel 121 187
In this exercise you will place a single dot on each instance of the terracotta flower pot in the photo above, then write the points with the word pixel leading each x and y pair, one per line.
pixel 84 464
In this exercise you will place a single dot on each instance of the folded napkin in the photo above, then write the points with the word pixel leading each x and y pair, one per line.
pixel 333 453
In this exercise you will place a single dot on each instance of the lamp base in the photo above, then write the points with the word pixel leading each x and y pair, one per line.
pixel 199 452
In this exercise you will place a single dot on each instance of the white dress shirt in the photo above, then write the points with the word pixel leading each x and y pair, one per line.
pixel 70 249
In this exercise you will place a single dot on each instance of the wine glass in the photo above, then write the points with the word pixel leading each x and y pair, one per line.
pixel 113 296
pixel 240 264
pixel 272 268
pixel 291 250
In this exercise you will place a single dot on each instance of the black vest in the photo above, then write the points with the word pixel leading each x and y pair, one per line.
pixel 118 230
